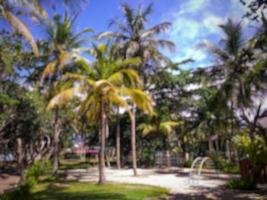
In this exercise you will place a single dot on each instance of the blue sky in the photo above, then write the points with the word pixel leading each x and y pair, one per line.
pixel 193 22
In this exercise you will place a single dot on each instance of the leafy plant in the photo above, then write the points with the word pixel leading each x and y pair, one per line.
pixel 38 169
pixel 255 150
pixel 22 192
pixel 241 184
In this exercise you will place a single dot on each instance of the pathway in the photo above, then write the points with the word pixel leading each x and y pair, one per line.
pixel 7 182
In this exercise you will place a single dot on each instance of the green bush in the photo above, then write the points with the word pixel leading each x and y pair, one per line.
pixel 38 169
pixel 224 165
pixel 241 184
pixel 22 192
pixel 231 168
pixel 33 174
pixel 255 150
pixel 188 163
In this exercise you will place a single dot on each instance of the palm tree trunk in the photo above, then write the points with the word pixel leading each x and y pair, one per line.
pixel 227 150
pixel 167 151
pixel 20 161
pixel 133 142
pixel 102 138
pixel 211 149
pixel 55 144
pixel 118 144
pixel 107 149
pixel 168 158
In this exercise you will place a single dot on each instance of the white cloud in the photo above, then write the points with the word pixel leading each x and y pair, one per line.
pixel 188 32
pixel 192 6
pixel 212 22
pixel 185 28
pixel 195 21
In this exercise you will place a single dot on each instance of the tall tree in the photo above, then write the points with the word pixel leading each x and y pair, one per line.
pixel 162 127
pixel 63 43
pixel 136 40
pixel 104 83
pixel 33 10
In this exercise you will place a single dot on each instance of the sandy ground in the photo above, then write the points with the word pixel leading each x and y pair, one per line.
pixel 7 182
pixel 210 185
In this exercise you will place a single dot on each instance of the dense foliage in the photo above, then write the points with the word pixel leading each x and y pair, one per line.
pixel 52 91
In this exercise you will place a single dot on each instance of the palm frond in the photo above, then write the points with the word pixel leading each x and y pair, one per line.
pixel 148 10
pixel 49 70
pixel 128 62
pixel 63 98
pixel 21 28
pixel 157 29
pixel 125 77
pixel 78 78
pixel 146 129
pixel 128 13
pixel 142 100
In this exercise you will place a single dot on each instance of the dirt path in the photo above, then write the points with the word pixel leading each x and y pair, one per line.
pixel 208 186
pixel 7 182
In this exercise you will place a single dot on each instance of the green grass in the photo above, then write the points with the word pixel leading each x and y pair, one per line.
pixel 74 164
pixel 92 191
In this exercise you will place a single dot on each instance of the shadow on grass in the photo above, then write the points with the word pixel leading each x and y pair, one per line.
pixel 60 194
pixel 87 191
pixel 74 165
pixel 220 194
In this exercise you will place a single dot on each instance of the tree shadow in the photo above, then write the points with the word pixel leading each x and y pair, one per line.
pixel 220 193
pixel 61 195
pixel 59 192
pixel 68 191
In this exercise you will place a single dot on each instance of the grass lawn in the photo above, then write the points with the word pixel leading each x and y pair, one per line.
pixel 92 191
pixel 74 164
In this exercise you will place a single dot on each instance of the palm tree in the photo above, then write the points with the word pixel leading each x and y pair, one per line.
pixel 34 9
pixel 234 59
pixel 64 43
pixel 118 140
pixel 160 127
pixel 7 12
pixel 144 102
pixel 102 84
pixel 136 40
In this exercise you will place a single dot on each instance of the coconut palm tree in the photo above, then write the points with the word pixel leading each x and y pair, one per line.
pixel 34 9
pixel 106 82
pixel 160 127
pixel 64 43
pixel 136 40
pixel 234 59
pixel 7 11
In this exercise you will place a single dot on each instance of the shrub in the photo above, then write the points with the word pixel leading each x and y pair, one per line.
pixel 188 163
pixel 33 174
pixel 231 168
pixel 22 192
pixel 255 150
pixel 224 165
pixel 38 169
pixel 241 184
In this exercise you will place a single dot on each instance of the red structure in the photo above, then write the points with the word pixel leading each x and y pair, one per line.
pixel 260 174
